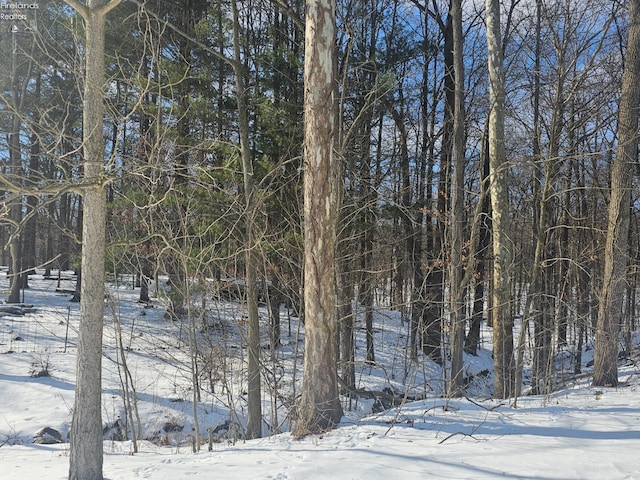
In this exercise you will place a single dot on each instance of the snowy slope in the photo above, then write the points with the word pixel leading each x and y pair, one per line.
pixel 580 432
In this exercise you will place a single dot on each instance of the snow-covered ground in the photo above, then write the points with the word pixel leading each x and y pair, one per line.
pixel 579 432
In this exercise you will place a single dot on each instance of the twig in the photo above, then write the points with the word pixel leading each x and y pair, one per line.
pixel 457 433
pixel 491 409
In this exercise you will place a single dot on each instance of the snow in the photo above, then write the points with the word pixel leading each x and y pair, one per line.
pixel 578 432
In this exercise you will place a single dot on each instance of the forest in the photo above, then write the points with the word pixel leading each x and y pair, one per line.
pixel 464 164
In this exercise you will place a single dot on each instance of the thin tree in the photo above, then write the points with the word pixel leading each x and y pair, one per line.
pixel 15 169
pixel 254 414
pixel 610 311
pixel 86 440
pixel 502 319
pixel 319 407
pixel 457 211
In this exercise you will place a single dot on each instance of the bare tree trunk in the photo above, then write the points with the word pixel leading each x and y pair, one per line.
pixel 582 280
pixel 502 319
pixel 319 407
pixel 456 228
pixel 15 211
pixel 86 440
pixel 472 340
pixel 16 175
pixel 610 311
pixel 346 318
pixel 254 396
pixel 29 249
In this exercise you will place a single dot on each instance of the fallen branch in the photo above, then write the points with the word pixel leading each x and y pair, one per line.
pixel 454 434
pixel 384 398
pixel 490 409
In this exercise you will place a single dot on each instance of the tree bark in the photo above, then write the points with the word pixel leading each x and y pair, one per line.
pixel 457 212
pixel 319 408
pixel 472 340
pixel 254 414
pixel 16 175
pixel 616 255
pixel 86 440
pixel 502 319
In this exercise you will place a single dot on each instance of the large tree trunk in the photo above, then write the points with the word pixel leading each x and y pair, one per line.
pixel 86 427
pixel 610 312
pixel 502 319
pixel 319 406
